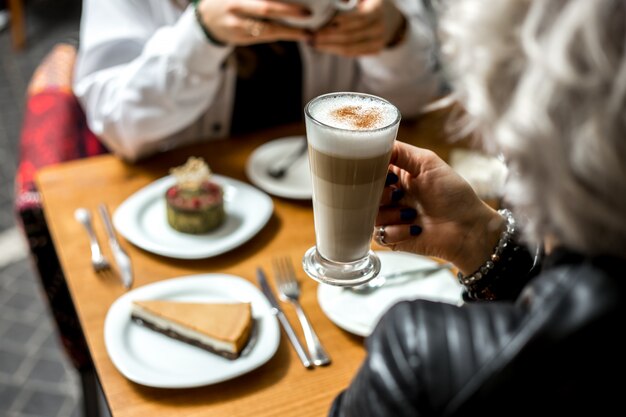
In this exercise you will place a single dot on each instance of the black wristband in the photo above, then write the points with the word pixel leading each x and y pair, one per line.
pixel 205 30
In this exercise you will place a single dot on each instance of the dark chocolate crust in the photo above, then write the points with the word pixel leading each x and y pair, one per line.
pixel 177 336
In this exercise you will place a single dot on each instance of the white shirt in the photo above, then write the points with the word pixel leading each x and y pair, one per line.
pixel 149 80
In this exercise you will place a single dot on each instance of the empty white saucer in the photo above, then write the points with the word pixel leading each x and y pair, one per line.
pixel 296 184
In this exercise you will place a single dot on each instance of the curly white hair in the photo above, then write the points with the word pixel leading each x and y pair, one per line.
pixel 544 83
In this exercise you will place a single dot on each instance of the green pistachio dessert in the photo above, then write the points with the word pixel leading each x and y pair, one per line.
pixel 195 204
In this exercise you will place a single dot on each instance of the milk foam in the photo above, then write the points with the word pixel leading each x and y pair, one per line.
pixel 372 112
pixel 354 126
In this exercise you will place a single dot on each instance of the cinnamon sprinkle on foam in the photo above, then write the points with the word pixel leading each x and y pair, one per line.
pixel 358 117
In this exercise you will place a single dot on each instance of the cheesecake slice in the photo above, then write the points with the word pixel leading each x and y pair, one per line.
pixel 221 328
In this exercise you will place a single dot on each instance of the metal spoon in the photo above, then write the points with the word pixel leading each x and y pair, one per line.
pixel 280 169
pixel 396 278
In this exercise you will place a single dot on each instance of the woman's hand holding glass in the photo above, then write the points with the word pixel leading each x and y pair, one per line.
pixel 429 209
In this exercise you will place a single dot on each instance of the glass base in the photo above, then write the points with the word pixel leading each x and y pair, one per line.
pixel 342 274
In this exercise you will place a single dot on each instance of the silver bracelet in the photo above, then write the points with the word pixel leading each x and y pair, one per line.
pixel 503 242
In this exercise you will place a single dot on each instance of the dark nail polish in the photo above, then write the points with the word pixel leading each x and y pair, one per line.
pixel 397 194
pixel 408 214
pixel 391 179
pixel 415 230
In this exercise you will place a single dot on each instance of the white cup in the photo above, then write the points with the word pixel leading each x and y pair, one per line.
pixel 321 12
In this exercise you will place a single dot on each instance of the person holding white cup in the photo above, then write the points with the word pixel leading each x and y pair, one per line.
pixel 174 72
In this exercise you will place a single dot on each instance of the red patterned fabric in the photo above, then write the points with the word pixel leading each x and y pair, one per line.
pixel 54 130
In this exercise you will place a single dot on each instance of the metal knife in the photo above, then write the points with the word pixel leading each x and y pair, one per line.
pixel 278 312
pixel 121 257
pixel 399 277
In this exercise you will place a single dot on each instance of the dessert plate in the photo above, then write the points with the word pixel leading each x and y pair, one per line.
pixel 296 184
pixel 359 313
pixel 142 220
pixel 153 359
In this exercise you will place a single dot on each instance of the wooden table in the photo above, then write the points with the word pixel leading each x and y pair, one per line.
pixel 282 386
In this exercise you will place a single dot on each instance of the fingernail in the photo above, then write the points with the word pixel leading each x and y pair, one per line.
pixel 415 230
pixel 397 194
pixel 391 179
pixel 408 214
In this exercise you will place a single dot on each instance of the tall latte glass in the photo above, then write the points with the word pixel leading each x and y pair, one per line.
pixel 350 137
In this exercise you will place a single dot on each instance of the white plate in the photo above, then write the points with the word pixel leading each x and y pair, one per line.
pixel 296 184
pixel 142 219
pixel 153 359
pixel 358 313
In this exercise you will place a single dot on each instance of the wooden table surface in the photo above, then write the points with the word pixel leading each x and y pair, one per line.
pixel 280 387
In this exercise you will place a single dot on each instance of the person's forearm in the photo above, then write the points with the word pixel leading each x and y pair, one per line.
pixel 171 81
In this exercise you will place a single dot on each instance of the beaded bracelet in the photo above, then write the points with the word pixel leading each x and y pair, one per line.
pixel 507 271
pixel 495 257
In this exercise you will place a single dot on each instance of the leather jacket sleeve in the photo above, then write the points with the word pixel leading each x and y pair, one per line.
pixel 421 354
pixel 555 345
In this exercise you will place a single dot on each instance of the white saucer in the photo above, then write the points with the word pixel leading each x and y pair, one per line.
pixel 359 313
pixel 296 184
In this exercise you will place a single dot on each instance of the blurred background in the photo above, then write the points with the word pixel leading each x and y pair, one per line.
pixel 36 377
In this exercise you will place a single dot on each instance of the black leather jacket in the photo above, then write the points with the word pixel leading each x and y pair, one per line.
pixel 557 350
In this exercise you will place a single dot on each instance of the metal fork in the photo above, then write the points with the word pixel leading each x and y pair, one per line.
pixel 289 290
pixel 98 260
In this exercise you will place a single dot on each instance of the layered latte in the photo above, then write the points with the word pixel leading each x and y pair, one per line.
pixel 350 139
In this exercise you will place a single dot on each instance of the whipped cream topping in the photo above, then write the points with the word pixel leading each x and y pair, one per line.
pixel 192 174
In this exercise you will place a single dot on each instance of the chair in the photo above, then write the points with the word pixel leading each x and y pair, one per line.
pixel 17 23
pixel 54 130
